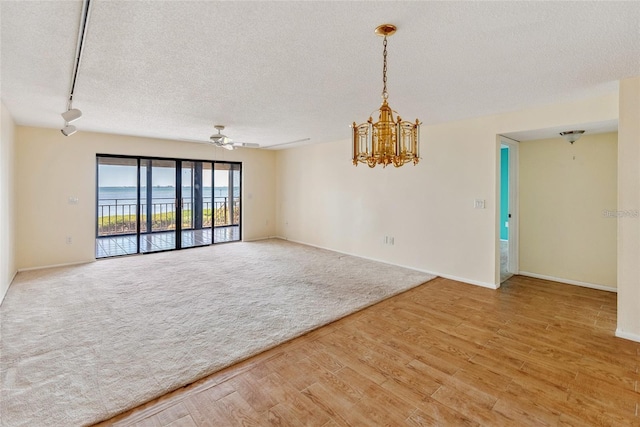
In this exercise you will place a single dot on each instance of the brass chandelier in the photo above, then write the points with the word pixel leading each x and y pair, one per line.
pixel 386 141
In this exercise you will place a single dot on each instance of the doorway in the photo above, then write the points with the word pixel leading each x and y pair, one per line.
pixel 508 216
pixel 148 205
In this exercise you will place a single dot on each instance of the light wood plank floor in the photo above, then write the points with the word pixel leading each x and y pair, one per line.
pixel 532 353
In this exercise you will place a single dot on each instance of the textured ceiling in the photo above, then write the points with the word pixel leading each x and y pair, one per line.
pixel 275 72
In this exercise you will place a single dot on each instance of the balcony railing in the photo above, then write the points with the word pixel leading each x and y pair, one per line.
pixel 118 216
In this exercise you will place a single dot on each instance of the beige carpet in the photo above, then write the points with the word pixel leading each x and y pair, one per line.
pixel 81 344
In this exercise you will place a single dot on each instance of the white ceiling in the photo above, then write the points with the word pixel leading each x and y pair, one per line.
pixel 275 72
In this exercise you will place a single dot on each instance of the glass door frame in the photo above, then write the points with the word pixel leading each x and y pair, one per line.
pixel 150 165
pixel 234 166
pixel 178 213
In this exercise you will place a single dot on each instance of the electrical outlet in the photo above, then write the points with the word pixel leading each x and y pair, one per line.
pixel 478 204
pixel 69 240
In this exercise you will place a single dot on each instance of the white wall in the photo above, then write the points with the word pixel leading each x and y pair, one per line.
pixel 568 196
pixel 629 208
pixel 7 201
pixel 324 200
pixel 51 168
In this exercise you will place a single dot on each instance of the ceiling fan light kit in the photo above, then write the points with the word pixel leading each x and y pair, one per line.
pixel 572 135
pixel 223 141
pixel 386 141
pixel 219 138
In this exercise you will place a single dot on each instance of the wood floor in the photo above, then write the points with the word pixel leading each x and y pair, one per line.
pixel 532 353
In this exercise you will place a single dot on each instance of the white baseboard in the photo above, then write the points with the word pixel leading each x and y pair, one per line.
pixel 355 255
pixel 569 281
pixel 469 281
pixel 261 238
pixel 627 335
pixel 55 265
pixel 10 283
pixel 433 273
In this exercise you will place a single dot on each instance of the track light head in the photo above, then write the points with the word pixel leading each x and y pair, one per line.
pixel 71 115
pixel 68 130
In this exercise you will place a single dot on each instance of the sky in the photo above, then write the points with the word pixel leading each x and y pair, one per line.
pixel 125 176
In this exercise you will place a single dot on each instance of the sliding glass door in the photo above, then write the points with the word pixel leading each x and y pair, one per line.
pixel 148 205
pixel 226 201
pixel 117 206
pixel 196 204
pixel 158 201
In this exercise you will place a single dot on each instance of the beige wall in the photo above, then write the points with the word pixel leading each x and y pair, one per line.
pixel 629 208
pixel 51 168
pixel 321 199
pixel 429 209
pixel 567 199
pixel 7 201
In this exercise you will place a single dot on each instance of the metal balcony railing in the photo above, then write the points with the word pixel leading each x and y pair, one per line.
pixel 119 216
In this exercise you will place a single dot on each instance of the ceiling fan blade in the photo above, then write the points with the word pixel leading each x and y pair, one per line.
pixel 246 144
pixel 288 143
pixel 220 139
pixel 223 141
pixel 222 144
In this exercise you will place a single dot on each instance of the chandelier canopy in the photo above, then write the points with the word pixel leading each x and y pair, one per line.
pixel 386 141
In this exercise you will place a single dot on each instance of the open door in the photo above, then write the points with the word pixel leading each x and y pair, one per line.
pixel 508 238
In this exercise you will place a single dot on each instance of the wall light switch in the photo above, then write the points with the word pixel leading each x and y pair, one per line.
pixel 479 204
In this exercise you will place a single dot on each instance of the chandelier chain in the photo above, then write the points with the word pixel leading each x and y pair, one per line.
pixel 385 94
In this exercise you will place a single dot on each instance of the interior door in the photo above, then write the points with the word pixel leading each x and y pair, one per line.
pixel 508 208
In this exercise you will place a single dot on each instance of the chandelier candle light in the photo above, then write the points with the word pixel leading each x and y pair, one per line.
pixel 386 141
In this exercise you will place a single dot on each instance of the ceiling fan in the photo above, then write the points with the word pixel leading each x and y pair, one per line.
pixel 223 141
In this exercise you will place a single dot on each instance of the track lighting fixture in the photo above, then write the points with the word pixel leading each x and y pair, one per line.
pixel 68 129
pixel 71 115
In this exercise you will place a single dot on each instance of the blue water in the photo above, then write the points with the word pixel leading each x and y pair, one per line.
pixel 163 196
pixel 107 195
